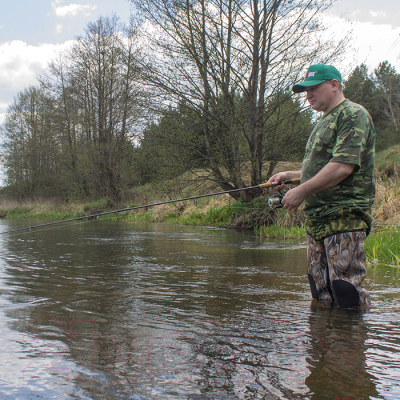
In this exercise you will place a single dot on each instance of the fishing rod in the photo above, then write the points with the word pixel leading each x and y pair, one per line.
pixel 92 216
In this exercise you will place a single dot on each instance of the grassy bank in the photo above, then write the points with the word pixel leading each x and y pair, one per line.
pixel 382 246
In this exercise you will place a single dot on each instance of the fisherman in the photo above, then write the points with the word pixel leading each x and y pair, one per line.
pixel 336 188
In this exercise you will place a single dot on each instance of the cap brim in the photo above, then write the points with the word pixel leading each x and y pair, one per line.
pixel 301 87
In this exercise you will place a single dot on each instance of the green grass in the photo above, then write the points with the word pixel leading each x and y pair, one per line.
pixel 384 246
pixel 388 159
pixel 215 216
pixel 98 206
pixel 275 231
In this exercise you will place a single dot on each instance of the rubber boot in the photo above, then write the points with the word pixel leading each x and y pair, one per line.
pixel 345 294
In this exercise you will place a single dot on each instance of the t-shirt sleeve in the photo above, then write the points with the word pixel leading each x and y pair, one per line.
pixel 352 132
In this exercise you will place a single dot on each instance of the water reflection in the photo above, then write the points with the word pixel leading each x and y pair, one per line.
pixel 338 355
pixel 112 309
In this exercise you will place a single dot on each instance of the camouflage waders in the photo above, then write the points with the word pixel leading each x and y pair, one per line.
pixel 338 264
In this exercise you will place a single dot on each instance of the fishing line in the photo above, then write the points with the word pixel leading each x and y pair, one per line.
pixel 96 216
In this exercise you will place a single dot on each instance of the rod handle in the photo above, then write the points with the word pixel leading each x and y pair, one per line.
pixel 267 185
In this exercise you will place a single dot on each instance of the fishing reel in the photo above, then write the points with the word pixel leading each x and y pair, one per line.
pixel 276 201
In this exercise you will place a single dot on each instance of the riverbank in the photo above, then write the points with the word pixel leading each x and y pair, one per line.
pixel 382 246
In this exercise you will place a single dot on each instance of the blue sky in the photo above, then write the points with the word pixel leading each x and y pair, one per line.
pixel 33 31
pixel 54 21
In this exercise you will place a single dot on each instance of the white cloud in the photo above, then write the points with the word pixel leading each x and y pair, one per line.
pixel 370 43
pixel 59 28
pixel 20 64
pixel 3 108
pixel 71 10
pixel 378 14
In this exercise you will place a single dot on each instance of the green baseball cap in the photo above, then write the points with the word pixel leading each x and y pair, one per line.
pixel 317 74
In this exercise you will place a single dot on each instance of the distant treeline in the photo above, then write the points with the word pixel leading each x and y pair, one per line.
pixel 195 88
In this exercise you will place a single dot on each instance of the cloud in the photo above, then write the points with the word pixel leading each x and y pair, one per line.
pixel 370 43
pixel 378 14
pixel 20 64
pixel 71 10
pixel 59 28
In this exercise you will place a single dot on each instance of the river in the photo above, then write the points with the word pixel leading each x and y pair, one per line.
pixel 117 310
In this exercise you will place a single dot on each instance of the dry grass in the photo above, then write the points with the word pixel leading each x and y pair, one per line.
pixel 38 207
pixel 386 210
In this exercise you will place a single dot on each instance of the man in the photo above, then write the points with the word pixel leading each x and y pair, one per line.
pixel 337 189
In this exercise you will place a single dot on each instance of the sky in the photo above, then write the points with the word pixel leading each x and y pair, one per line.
pixel 32 32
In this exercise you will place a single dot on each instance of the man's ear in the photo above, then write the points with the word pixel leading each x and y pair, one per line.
pixel 335 84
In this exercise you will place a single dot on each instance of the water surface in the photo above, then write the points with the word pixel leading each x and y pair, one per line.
pixel 117 310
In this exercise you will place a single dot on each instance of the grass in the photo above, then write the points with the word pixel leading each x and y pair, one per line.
pixel 383 246
pixel 387 161
pixel 276 231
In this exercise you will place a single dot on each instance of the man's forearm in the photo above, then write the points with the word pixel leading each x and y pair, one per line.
pixel 293 174
pixel 331 175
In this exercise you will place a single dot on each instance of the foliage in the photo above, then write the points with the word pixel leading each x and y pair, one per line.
pixel 379 93
pixel 173 145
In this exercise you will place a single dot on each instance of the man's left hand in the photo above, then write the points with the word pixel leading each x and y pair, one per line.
pixel 293 199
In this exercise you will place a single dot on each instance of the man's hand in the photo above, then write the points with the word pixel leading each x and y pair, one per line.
pixel 276 179
pixel 293 199
pixel 331 175
pixel 283 176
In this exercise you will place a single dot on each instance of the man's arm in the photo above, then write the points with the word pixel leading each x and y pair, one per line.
pixel 331 175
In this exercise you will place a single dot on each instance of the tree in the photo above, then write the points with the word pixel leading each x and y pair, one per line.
pixel 360 88
pixel 379 94
pixel 287 129
pixel 388 81
pixel 104 80
pixel 30 150
pixel 172 145
pixel 101 104
pixel 220 55
pixel 78 127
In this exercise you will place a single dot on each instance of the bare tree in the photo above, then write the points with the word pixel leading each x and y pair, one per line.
pixel 75 131
pixel 388 81
pixel 101 103
pixel 225 58
pixel 29 149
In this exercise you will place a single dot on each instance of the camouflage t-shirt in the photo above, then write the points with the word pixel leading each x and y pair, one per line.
pixel 345 135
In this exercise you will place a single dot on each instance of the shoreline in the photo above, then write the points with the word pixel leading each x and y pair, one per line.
pixel 382 246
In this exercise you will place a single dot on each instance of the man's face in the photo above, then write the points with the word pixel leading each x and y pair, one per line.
pixel 321 96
